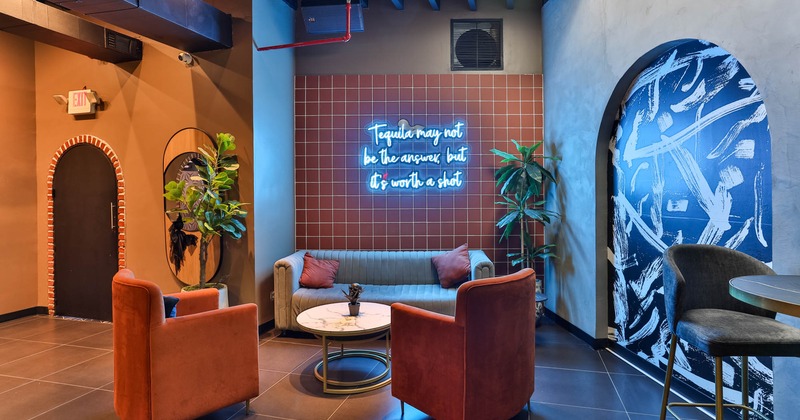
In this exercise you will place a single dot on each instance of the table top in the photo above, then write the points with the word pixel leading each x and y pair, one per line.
pixel 334 319
pixel 779 293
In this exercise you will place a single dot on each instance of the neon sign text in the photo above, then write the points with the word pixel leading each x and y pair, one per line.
pixel 405 131
pixel 414 157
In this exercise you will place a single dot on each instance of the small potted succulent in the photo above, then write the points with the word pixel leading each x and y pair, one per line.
pixel 353 295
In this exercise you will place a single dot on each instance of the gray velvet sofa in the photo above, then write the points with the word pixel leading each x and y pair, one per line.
pixel 387 277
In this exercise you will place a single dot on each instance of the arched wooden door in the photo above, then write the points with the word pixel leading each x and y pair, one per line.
pixel 85 233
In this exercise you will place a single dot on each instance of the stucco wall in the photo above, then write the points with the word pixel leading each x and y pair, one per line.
pixel 18 189
pixel 416 40
pixel 589 47
pixel 273 145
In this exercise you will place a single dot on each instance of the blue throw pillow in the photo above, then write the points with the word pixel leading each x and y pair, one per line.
pixel 170 306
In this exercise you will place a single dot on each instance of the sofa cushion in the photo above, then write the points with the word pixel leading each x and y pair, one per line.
pixel 382 267
pixel 453 267
pixel 426 296
pixel 318 274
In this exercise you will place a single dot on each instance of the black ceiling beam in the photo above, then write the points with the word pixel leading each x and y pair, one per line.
pixel 434 4
pixel 473 5
pixel 291 3
pixel 398 4
pixel 510 4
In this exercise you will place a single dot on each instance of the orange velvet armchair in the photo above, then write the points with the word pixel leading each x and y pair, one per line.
pixel 476 365
pixel 184 367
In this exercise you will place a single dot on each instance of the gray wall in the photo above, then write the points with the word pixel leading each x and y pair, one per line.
pixel 417 39
pixel 273 144
pixel 588 48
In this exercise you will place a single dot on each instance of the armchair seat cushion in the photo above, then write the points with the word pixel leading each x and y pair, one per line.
pixel 721 332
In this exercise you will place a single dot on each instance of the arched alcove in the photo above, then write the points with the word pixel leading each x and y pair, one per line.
pixel 689 162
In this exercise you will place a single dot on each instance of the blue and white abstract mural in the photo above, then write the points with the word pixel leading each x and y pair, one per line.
pixel 691 164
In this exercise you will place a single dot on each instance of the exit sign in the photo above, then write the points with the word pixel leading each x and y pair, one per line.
pixel 81 102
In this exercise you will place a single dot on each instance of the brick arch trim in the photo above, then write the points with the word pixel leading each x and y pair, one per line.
pixel 103 146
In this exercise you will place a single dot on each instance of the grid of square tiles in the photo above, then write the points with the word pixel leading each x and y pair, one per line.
pixel 335 209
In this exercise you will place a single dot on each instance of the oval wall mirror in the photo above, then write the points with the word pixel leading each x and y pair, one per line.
pixel 178 166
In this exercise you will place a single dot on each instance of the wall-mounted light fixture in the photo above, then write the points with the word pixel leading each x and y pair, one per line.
pixel 79 102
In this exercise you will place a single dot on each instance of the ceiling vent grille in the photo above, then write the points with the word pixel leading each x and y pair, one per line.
pixel 476 44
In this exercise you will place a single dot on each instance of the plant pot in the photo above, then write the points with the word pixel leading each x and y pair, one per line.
pixel 354 307
pixel 221 287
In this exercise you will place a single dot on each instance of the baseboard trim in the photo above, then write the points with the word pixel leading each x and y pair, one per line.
pixel 596 343
pixel 36 310
pixel 267 326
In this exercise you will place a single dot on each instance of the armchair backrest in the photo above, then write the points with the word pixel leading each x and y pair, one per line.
pixel 696 276
pixel 498 316
pixel 138 306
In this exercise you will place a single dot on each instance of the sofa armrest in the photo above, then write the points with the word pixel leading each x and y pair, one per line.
pixel 482 266
pixel 216 349
pixel 425 342
pixel 287 280
pixel 196 301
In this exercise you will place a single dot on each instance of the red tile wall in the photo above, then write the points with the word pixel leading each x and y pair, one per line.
pixel 336 210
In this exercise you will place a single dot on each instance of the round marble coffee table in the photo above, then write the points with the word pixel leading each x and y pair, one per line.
pixel 332 322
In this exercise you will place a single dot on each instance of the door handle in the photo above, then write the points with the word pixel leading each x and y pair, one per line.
pixel 111 207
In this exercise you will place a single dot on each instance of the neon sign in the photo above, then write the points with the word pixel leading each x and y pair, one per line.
pixel 406 157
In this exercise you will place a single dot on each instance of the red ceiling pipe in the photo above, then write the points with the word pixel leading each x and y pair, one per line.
pixel 344 38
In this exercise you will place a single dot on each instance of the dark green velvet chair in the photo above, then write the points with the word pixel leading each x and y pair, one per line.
pixel 701 311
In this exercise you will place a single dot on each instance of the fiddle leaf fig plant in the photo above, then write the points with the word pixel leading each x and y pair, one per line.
pixel 206 203
pixel 522 181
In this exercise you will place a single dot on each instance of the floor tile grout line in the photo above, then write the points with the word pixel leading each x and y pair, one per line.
pixel 91 388
pixel 89 336
pixel 616 390
pixel 570 369
pixel 79 363
pixel 577 406
pixel 57 344
pixel 62 404
pixel 672 391
pixel 22 384
pixel 33 354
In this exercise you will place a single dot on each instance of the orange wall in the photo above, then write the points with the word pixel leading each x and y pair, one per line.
pixel 146 103
pixel 18 216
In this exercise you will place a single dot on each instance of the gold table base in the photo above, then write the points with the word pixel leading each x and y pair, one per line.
pixel 353 387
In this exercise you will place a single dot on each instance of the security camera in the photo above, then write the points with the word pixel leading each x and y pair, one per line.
pixel 186 58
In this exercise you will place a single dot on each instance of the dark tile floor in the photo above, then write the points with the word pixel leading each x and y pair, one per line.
pixel 63 369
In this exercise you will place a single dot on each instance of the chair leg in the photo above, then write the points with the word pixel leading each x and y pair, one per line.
pixel 247 408
pixel 529 410
pixel 718 387
pixel 745 390
pixel 667 380
pixel 402 409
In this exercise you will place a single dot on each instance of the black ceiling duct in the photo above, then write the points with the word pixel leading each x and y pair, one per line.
pixel 328 16
pixel 476 44
pixel 189 25
pixel 46 24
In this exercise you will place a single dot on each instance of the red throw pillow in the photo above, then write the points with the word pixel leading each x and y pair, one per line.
pixel 318 274
pixel 453 267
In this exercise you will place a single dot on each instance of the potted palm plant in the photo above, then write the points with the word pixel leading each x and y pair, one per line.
pixel 206 202
pixel 522 181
